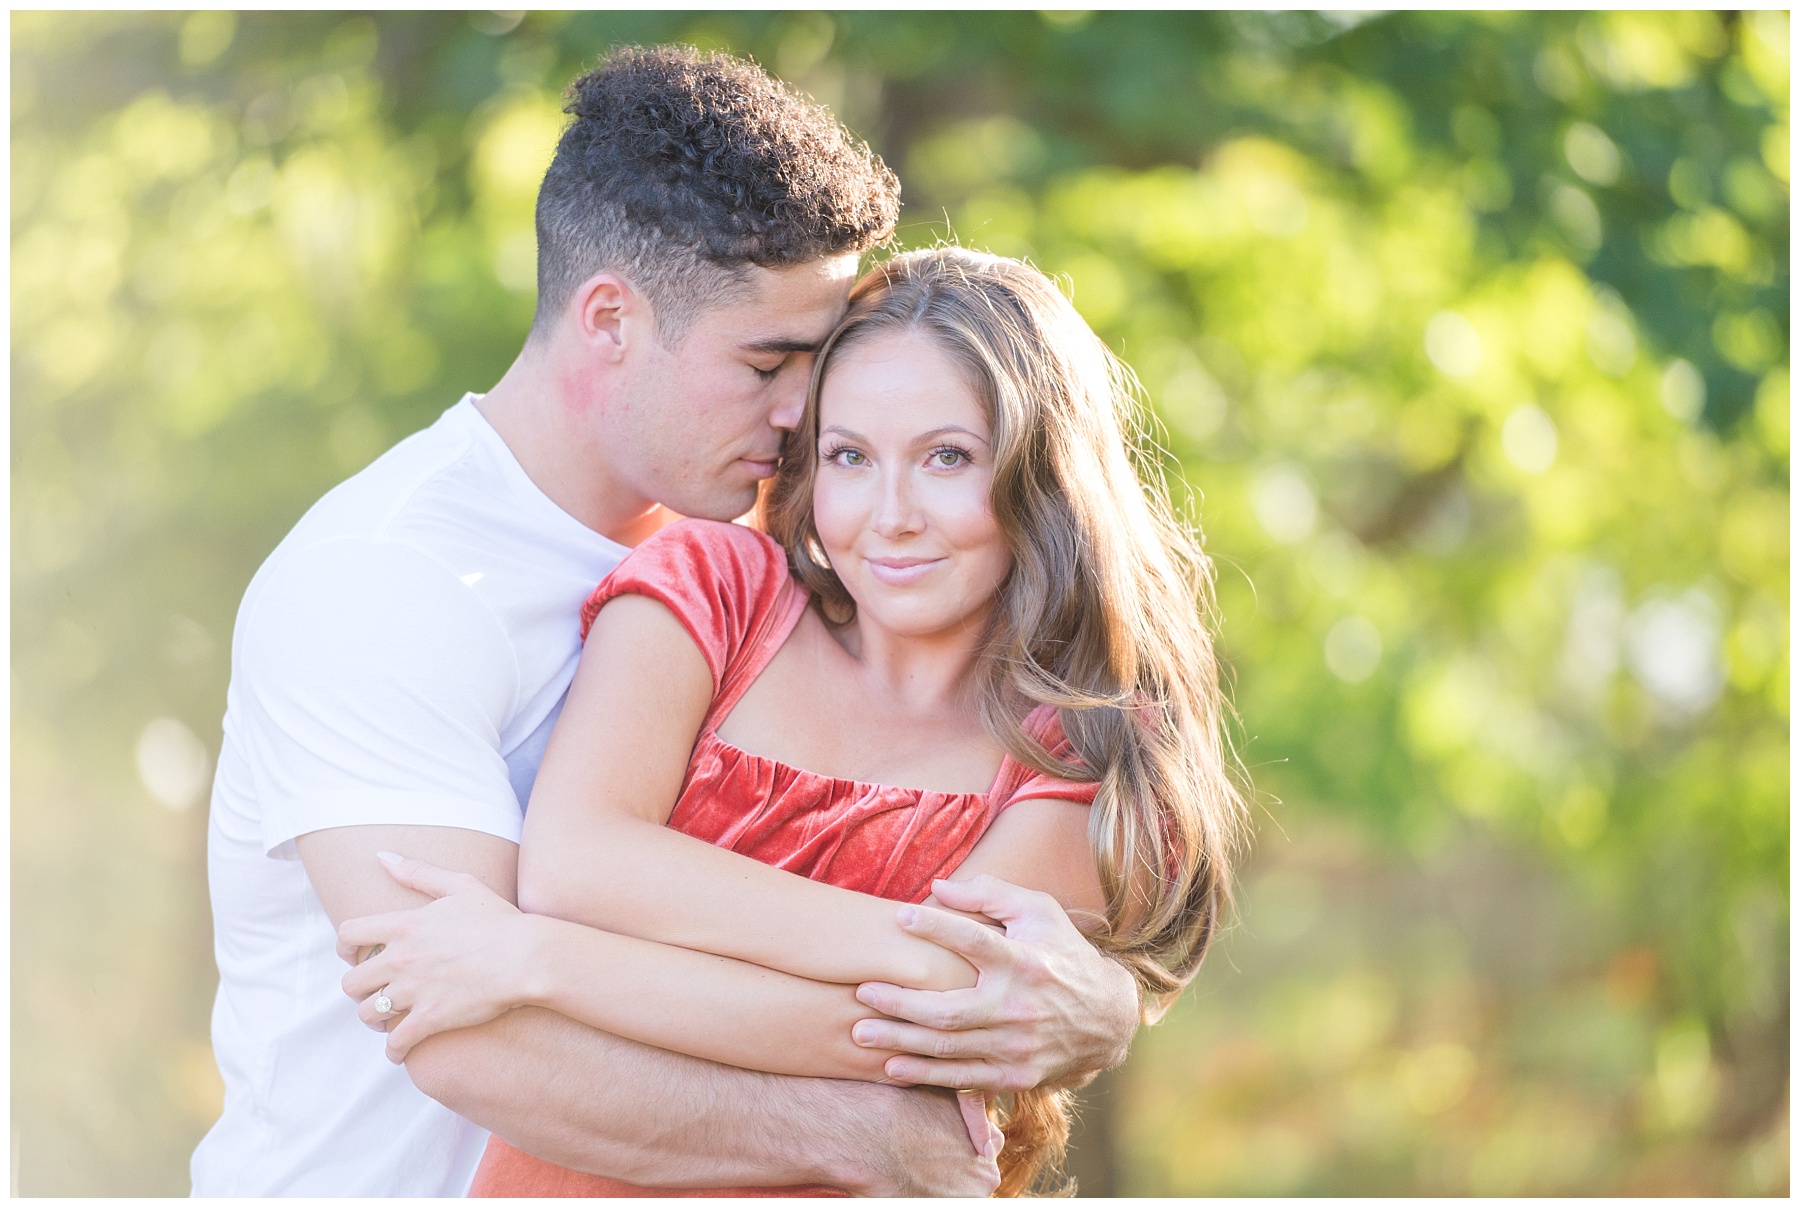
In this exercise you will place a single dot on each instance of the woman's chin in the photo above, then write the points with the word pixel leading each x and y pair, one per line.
pixel 915 619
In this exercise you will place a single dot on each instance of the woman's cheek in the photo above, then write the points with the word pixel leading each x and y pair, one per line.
pixel 834 515
pixel 998 554
pixel 967 514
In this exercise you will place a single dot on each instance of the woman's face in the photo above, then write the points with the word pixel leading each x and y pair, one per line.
pixel 901 498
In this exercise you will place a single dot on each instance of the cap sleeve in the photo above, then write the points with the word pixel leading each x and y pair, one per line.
pixel 1020 783
pixel 720 580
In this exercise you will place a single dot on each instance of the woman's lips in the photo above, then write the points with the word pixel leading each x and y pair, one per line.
pixel 902 572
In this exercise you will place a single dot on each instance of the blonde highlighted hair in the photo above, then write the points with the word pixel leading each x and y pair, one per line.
pixel 1102 615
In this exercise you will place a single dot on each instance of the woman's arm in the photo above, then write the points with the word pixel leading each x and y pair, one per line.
pixel 596 849
pixel 469 956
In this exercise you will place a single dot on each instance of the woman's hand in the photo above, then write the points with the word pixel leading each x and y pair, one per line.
pixel 462 960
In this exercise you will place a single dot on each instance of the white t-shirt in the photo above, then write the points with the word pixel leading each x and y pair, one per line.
pixel 400 658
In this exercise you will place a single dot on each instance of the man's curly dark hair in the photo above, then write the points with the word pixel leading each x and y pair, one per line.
pixel 681 169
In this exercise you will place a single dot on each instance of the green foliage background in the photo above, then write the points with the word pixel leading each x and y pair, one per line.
pixel 1470 338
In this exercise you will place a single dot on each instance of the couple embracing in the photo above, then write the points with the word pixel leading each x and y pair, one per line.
pixel 915 783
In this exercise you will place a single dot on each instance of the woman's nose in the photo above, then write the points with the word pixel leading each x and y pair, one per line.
pixel 896 511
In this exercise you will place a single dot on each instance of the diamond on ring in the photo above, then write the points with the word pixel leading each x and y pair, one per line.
pixel 383 1004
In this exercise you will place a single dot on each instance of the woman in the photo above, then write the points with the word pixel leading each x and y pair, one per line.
pixel 964 588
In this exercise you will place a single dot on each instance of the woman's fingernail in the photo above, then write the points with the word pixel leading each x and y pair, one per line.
pixel 388 857
pixel 863 1033
pixel 908 915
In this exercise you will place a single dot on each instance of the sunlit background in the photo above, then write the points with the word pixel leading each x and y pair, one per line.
pixel 1470 338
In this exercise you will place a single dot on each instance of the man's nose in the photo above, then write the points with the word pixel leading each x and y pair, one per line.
pixel 790 403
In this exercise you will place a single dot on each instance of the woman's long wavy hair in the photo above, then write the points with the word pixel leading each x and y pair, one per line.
pixel 1102 615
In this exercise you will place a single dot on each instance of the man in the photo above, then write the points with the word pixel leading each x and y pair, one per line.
pixel 401 657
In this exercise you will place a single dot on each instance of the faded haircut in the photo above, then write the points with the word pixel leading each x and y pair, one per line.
pixel 681 169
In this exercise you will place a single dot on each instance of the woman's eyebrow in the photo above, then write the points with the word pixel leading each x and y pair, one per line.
pixel 922 438
pixel 946 430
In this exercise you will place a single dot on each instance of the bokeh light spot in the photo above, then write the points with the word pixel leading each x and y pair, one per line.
pixel 1284 504
pixel 1683 392
pixel 1353 649
pixel 1453 345
pixel 172 763
pixel 1529 439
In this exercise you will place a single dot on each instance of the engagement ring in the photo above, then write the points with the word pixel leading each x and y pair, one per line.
pixel 383 1004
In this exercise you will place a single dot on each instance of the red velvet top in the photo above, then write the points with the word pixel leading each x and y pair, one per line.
pixel 730 588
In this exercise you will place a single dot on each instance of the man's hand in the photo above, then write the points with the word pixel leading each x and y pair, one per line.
pixel 1046 1006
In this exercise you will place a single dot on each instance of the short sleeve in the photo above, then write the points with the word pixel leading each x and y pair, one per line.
pixel 371 686
pixel 1020 783
pixel 722 582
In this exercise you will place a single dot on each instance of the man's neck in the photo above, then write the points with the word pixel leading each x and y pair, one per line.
pixel 548 421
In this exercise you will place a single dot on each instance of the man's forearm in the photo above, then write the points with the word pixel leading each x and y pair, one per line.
pixel 580 1098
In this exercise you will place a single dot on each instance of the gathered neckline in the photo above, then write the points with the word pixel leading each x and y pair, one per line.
pixel 712 735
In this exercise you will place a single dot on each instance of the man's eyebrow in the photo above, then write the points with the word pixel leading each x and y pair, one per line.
pixel 784 344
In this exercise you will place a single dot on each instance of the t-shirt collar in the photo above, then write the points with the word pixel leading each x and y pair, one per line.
pixel 521 483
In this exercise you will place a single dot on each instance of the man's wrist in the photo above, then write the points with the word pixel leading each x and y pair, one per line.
pixel 856 1155
pixel 1114 1011
pixel 1130 1014
pixel 852 1151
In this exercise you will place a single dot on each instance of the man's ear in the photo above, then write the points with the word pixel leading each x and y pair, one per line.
pixel 609 315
